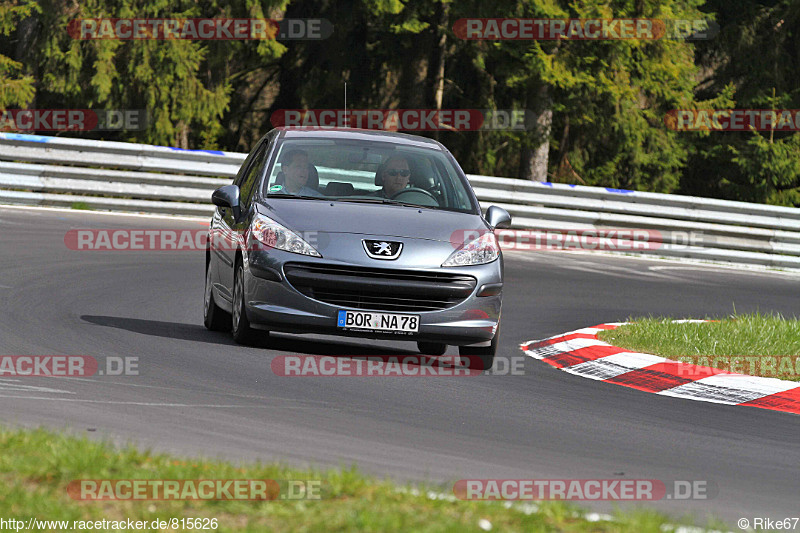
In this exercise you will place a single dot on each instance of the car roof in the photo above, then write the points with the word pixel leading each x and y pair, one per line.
pixel 360 135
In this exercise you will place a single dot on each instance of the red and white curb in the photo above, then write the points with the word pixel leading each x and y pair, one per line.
pixel 580 352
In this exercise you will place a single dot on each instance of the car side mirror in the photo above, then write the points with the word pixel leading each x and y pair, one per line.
pixel 497 217
pixel 227 196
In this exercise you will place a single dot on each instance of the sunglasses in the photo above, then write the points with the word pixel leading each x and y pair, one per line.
pixel 403 172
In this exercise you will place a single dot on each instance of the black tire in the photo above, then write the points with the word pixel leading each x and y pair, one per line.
pixel 432 348
pixel 240 324
pixel 484 354
pixel 214 318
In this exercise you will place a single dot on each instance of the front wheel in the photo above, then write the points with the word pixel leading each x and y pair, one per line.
pixel 470 355
pixel 240 324
pixel 214 318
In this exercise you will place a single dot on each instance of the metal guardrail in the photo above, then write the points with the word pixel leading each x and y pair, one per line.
pixel 57 171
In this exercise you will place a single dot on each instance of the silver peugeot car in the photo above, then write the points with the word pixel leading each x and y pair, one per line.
pixel 356 233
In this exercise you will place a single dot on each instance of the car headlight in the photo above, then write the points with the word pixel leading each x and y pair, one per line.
pixel 274 235
pixel 478 251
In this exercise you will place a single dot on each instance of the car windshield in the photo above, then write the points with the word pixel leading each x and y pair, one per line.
pixel 367 171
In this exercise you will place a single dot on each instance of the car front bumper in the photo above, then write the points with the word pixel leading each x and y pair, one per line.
pixel 273 303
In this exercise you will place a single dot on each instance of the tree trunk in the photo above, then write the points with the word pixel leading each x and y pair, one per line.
pixel 182 135
pixel 413 76
pixel 443 11
pixel 27 33
pixel 535 152
pixel 441 51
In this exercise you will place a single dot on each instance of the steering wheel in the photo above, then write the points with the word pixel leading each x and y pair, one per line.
pixel 416 190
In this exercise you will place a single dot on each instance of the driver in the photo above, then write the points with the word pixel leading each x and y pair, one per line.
pixel 395 174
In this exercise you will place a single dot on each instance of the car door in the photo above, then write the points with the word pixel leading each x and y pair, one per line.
pixel 231 227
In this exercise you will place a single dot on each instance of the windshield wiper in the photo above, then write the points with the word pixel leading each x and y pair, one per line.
pixel 304 197
pixel 405 204
pixel 359 200
pixel 379 201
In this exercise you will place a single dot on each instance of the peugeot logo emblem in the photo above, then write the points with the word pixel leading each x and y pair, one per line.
pixel 383 249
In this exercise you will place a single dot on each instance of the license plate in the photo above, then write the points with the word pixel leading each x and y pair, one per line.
pixel 367 320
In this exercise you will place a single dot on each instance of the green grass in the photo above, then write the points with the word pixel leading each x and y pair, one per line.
pixel 758 344
pixel 82 206
pixel 37 465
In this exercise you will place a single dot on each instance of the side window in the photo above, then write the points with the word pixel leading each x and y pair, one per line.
pixel 245 166
pixel 250 179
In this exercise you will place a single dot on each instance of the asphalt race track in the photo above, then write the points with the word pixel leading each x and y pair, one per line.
pixel 199 393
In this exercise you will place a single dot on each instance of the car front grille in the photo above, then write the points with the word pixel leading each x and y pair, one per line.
pixel 379 289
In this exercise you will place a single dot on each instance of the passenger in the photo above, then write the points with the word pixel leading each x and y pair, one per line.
pixel 295 167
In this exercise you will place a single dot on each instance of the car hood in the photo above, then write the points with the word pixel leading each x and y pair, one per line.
pixel 370 219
